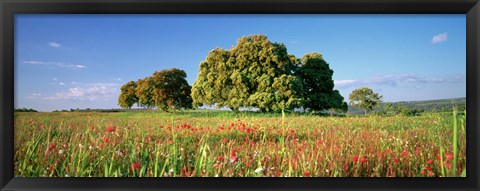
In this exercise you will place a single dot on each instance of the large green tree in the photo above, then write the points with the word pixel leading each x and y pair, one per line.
pixel 127 95
pixel 171 90
pixel 213 82
pixel 254 73
pixel 365 99
pixel 144 92
pixel 166 89
pixel 318 92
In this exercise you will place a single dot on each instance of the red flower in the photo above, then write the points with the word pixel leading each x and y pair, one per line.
pixel 422 171
pixel 379 154
pixel 279 174
pixel 364 159
pixel 306 174
pixel 417 152
pixel 449 165
pixel 404 153
pixel 136 166
pixel 51 147
pixel 233 157
pixel 220 158
pixel 430 173
pixel 355 159
pixel 449 156
pixel 110 129
pixel 388 151
pixel 92 127
pixel 224 140
pixel 105 139
pixel 396 160
pixel 320 142
pixel 430 161
pixel 428 168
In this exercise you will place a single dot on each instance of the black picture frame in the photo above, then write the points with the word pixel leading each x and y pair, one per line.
pixel 8 9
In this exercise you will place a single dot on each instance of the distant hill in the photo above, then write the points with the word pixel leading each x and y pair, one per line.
pixel 439 105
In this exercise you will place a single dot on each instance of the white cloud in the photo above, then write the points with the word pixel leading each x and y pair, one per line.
pixel 61 83
pixel 119 79
pixel 439 38
pixel 345 83
pixel 54 44
pixel 58 64
pixel 54 79
pixel 85 92
pixel 393 80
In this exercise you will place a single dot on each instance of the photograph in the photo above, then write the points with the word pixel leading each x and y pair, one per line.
pixel 240 95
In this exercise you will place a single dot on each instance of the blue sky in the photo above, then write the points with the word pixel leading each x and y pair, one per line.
pixel 80 61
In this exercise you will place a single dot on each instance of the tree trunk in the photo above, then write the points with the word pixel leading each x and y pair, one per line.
pixel 365 112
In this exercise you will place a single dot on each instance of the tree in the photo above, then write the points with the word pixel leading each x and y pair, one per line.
pixel 127 95
pixel 171 90
pixel 213 83
pixel 244 76
pixel 316 77
pixel 365 99
pixel 144 92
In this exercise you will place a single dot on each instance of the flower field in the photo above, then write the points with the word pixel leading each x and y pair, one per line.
pixel 227 144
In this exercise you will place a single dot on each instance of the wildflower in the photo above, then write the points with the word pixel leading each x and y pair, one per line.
pixel 428 168
pixel 224 140
pixel 430 173
pixel 220 158
pixel 396 160
pixel 136 166
pixel 448 165
pixel 233 157
pixel 430 161
pixel 417 152
pixel 259 169
pixel 306 174
pixel 355 159
pixel 105 139
pixel 51 147
pixel 60 152
pixel 388 151
pixel 404 153
pixel 364 159
pixel 449 156
pixel 110 129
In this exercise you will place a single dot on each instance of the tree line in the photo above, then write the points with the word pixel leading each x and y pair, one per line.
pixel 254 73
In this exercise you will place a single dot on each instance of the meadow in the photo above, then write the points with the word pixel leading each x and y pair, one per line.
pixel 244 144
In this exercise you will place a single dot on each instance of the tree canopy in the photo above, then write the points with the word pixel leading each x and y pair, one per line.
pixel 166 89
pixel 254 73
pixel 318 92
pixel 365 99
pixel 257 73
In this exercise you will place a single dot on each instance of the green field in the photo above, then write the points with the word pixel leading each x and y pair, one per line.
pixel 244 144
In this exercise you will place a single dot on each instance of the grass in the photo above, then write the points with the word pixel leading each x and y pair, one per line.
pixel 242 144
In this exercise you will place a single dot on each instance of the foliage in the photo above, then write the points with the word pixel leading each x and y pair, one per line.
pixel 165 89
pixel 317 82
pixel 365 98
pixel 257 73
pixel 25 110
pixel 171 90
pixel 127 95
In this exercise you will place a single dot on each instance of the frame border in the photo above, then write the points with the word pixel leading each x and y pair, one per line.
pixel 8 9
